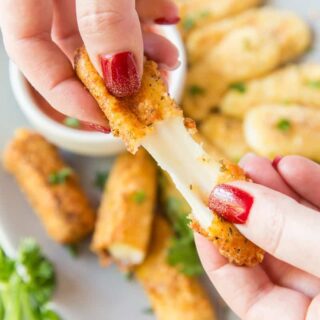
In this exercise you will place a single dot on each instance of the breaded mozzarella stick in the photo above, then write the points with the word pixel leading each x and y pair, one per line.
pixel 126 212
pixel 51 187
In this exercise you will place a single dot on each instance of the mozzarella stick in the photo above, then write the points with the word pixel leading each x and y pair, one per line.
pixel 125 215
pixel 295 84
pixel 197 13
pixel 273 35
pixel 153 120
pixel 226 134
pixel 283 130
pixel 51 187
pixel 173 295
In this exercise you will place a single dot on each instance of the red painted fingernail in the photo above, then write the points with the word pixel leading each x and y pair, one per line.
pixel 275 162
pixel 99 128
pixel 120 74
pixel 231 203
pixel 164 20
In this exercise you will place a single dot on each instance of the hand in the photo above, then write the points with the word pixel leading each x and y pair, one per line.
pixel 41 37
pixel 284 219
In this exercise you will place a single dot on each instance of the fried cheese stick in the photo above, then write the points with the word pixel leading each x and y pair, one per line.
pixel 197 13
pixel 152 119
pixel 173 296
pixel 294 84
pixel 126 212
pixel 61 205
pixel 283 130
pixel 226 134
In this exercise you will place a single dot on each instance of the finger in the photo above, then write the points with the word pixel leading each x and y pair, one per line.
pixel 261 171
pixel 314 309
pixel 290 277
pixel 26 34
pixel 275 222
pixel 112 34
pixel 302 175
pixel 65 32
pixel 160 11
pixel 161 50
pixel 249 291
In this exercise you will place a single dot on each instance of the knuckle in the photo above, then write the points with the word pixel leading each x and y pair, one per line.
pixel 275 231
pixel 99 22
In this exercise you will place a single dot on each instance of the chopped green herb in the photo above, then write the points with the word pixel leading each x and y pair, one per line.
pixel 195 90
pixel 182 252
pixel 247 44
pixel 129 275
pixel 101 178
pixel 315 84
pixel 148 311
pixel 284 125
pixel 287 101
pixel 238 86
pixel 60 176
pixel 139 197
pixel 73 250
pixel 204 14
pixel 188 23
pixel 27 284
pixel 71 122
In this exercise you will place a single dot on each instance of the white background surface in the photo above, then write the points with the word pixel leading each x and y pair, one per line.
pixel 86 291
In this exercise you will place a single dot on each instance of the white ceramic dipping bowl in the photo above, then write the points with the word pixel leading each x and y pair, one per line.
pixel 87 142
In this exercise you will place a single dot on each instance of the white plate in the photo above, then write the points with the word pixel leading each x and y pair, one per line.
pixel 85 291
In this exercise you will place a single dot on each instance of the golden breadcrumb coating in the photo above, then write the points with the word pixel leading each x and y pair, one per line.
pixel 173 295
pixel 133 117
pixel 283 130
pixel 126 212
pixel 226 134
pixel 197 13
pixel 294 84
pixel 229 241
pixel 63 208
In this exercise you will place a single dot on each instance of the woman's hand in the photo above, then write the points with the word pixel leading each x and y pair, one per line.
pixel 284 219
pixel 41 37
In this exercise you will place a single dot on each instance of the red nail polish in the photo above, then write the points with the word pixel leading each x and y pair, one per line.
pixel 275 162
pixel 120 74
pixel 163 20
pixel 99 128
pixel 231 203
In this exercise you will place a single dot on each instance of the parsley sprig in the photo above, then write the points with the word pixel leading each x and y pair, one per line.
pixel 60 176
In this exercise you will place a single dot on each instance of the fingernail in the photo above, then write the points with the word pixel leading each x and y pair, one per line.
pixel 120 74
pixel 163 20
pixel 231 203
pixel 275 162
pixel 99 128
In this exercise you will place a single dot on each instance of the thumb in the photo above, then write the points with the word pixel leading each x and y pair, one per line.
pixel 112 35
pixel 275 222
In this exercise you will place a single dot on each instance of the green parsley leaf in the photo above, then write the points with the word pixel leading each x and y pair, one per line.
pixel 73 250
pixel 49 315
pixel 238 86
pixel 195 90
pixel 188 23
pixel 148 311
pixel 71 122
pixel 139 197
pixel 284 125
pixel 60 176
pixel 204 14
pixel 129 275
pixel 315 84
pixel 182 252
pixel 101 179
